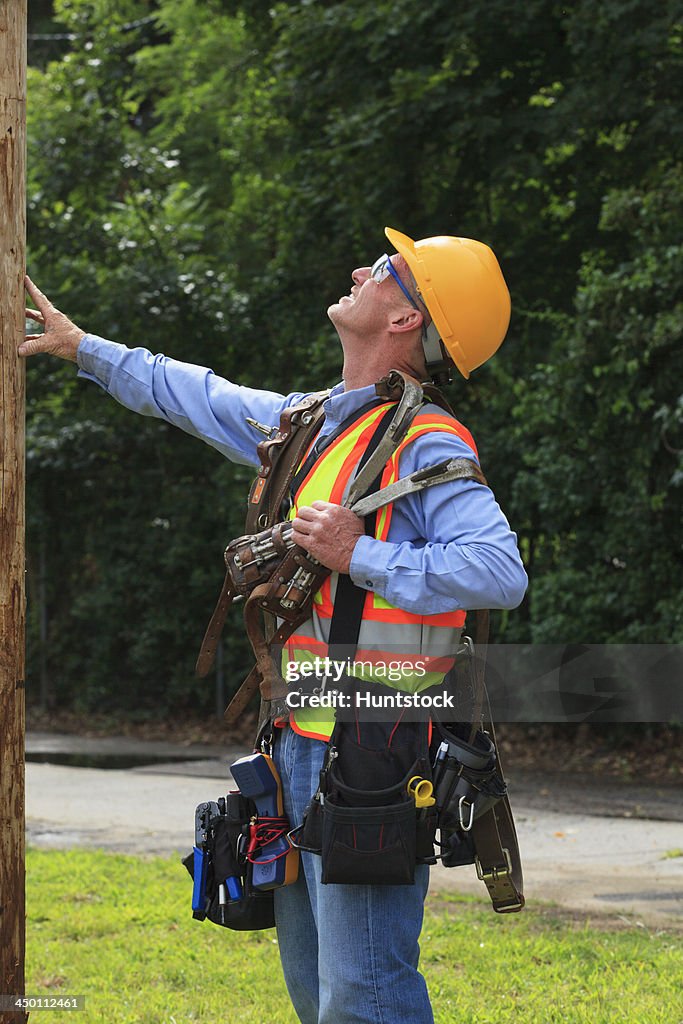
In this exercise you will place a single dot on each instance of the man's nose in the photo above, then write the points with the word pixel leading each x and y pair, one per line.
pixel 360 275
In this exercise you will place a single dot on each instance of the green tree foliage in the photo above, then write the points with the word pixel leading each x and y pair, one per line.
pixel 202 178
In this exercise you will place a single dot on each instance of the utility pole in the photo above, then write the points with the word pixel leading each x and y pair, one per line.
pixel 12 600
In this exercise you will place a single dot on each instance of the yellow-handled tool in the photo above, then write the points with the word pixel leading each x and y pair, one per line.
pixel 421 791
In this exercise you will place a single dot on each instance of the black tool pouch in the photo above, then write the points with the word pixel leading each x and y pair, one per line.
pixel 371 836
pixel 467 784
pixel 254 910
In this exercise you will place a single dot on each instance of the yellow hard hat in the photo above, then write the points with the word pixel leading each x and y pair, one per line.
pixel 464 290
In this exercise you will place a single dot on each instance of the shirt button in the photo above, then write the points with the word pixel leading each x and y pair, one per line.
pixel 369 583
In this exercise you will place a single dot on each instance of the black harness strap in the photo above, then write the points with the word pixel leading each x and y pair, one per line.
pixel 350 599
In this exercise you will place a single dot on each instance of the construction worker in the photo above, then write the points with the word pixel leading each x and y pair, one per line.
pixel 350 952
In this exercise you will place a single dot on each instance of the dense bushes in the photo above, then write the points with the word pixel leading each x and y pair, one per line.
pixel 202 178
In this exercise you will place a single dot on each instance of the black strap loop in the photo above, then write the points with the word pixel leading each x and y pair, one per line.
pixel 349 599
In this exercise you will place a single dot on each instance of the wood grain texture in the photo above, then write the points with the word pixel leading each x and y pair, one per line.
pixel 12 598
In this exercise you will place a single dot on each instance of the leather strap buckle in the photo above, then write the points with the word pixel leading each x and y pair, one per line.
pixel 498 881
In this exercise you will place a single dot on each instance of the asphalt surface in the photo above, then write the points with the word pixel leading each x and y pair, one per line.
pixel 594 846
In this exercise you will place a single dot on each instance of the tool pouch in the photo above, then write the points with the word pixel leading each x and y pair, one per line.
pixel 251 559
pixel 286 576
pixel 467 784
pixel 254 909
pixel 371 836
pixel 371 845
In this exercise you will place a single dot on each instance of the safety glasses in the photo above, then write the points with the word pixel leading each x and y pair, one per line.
pixel 435 353
pixel 384 268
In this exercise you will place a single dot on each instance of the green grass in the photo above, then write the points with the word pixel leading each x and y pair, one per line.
pixel 119 931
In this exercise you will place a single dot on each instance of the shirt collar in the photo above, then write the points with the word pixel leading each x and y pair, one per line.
pixel 342 404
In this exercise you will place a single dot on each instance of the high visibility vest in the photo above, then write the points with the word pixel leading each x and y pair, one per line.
pixel 397 648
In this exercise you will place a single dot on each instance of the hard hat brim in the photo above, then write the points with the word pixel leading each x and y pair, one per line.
pixel 402 244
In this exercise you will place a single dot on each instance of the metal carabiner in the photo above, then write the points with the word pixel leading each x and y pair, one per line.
pixel 266 744
pixel 463 826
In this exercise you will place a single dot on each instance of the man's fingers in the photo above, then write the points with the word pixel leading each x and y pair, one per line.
pixel 31 345
pixel 307 513
pixel 35 314
pixel 41 301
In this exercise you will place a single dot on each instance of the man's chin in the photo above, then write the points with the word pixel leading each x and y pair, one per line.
pixel 334 312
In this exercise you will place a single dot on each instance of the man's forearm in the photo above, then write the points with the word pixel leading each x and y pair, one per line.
pixel 439 578
pixel 191 397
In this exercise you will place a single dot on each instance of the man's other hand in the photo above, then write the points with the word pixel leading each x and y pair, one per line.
pixel 61 337
pixel 328 532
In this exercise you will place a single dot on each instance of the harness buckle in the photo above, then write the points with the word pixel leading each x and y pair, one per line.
pixel 466 647
pixel 496 873
pixel 498 881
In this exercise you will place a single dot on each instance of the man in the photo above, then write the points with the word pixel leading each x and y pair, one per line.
pixel 350 952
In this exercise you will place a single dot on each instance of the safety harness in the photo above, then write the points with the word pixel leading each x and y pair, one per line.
pixel 277 581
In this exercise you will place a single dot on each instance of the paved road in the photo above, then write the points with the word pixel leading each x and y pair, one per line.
pixel 587 846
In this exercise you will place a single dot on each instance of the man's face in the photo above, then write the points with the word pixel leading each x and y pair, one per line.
pixel 370 304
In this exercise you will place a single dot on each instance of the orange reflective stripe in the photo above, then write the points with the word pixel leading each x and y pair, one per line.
pixel 322 601
pixel 297 641
pixel 442 422
pixel 354 457
pixel 377 608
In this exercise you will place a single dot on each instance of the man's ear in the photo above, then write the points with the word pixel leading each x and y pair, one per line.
pixel 405 320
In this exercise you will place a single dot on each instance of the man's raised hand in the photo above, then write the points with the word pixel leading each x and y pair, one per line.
pixel 61 338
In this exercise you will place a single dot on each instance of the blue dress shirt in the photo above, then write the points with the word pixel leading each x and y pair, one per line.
pixel 449 547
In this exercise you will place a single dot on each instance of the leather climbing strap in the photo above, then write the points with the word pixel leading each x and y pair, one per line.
pixel 497 859
pixel 280 454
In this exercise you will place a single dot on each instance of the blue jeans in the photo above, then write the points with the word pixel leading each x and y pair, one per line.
pixel 349 952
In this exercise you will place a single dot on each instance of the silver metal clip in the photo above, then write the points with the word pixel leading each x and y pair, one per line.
pixel 461 804
pixel 262 427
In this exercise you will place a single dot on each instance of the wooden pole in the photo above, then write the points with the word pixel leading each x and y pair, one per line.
pixel 12 601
